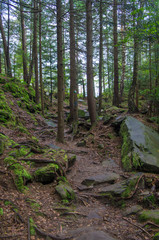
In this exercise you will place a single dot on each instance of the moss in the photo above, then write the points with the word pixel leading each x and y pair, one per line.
pixel 32 227
pixel 46 174
pixel 130 187
pixel 34 205
pixel 156 237
pixel 20 173
pixel 65 191
pixel 1 211
pixel 2 146
pixel 150 215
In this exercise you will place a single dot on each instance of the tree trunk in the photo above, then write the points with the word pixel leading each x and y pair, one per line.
pixel 35 52
pixel 60 132
pixel 131 97
pixel 73 70
pixel 115 36
pixel 123 19
pixel 90 87
pixel 24 49
pixel 7 58
pixel 100 57
pixel 40 63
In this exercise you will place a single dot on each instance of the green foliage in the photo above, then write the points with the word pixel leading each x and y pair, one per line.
pixel 32 227
pixel 1 211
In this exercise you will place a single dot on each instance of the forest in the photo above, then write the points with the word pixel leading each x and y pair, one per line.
pixel 79 119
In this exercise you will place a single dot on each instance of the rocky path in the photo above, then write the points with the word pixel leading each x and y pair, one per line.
pixel 90 216
pixel 97 162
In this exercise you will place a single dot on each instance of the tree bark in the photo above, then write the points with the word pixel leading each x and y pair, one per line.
pixel 90 83
pixel 73 70
pixel 115 36
pixel 35 52
pixel 7 58
pixel 123 19
pixel 100 57
pixel 40 63
pixel 24 49
pixel 131 97
pixel 60 132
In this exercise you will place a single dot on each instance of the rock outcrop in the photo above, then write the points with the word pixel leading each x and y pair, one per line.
pixel 140 149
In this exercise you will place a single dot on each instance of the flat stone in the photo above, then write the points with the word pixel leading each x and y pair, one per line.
pixel 53 146
pixel 120 189
pixel 95 235
pixel 109 163
pixel 108 177
pixel 140 149
pixel 132 210
pixel 50 123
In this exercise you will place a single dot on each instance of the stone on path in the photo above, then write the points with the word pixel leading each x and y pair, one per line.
pixel 108 177
pixel 132 210
pixel 95 235
pixel 121 189
pixel 65 191
pixel 140 149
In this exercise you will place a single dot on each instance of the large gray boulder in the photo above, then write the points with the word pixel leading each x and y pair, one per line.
pixel 140 149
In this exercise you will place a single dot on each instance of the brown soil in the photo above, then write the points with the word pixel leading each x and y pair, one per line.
pixel 51 215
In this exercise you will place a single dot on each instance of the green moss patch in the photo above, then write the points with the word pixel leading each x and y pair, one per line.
pixel 65 191
pixel 21 175
pixel 150 215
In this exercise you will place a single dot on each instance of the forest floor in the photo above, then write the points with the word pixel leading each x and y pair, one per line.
pixel 50 214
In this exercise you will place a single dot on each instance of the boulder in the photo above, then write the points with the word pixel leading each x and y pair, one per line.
pixel 65 191
pixel 140 149
pixel 108 177
pixel 46 174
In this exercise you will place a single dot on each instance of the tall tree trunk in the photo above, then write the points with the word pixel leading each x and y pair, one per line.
pixel 73 71
pixel 60 132
pixel 24 49
pixel 35 52
pixel 40 62
pixel 131 96
pixel 0 60
pixel 7 58
pixel 100 57
pixel 123 19
pixel 115 36
pixel 90 87
pixel 51 94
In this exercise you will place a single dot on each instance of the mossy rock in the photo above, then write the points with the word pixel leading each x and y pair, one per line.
pixel 5 116
pixel 65 191
pixel 2 80
pixel 150 215
pixel 140 146
pixel 156 237
pixel 121 189
pixel 46 174
pixel 2 145
pixel 21 175
pixel 114 110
